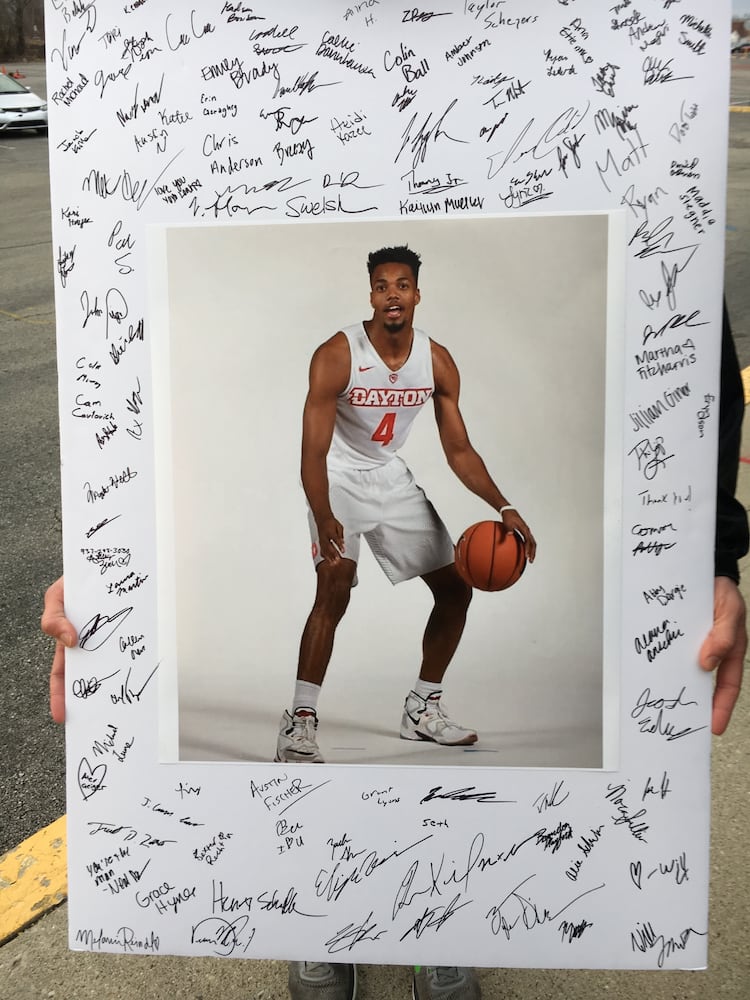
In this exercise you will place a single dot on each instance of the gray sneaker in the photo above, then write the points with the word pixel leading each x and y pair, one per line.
pixel 445 982
pixel 322 981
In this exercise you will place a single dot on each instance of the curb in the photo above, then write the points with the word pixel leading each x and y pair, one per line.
pixel 33 879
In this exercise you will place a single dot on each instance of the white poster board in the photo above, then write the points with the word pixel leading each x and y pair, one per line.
pixel 218 177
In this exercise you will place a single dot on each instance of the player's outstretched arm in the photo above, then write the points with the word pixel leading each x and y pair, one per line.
pixel 463 459
pixel 329 374
pixel 55 624
pixel 723 650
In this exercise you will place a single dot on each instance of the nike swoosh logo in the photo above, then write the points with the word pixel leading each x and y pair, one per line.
pixel 366 368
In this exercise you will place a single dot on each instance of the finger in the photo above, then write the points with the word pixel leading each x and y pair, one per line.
pixel 728 632
pixel 57 684
pixel 332 539
pixel 530 546
pixel 726 693
pixel 339 542
pixel 53 622
pixel 726 635
pixel 331 552
pixel 528 540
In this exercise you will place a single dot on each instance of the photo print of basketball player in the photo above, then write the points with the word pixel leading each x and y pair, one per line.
pixel 368 382
pixel 527 309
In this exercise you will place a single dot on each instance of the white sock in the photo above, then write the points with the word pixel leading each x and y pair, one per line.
pixel 425 688
pixel 306 695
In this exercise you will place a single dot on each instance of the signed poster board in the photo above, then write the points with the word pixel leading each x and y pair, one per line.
pixel 218 178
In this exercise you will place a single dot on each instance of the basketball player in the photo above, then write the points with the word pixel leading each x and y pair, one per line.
pixel 367 385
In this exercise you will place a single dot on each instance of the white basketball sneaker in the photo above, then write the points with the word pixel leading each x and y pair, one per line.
pixel 427 719
pixel 297 743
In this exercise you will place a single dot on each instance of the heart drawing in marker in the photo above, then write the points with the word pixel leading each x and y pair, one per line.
pixel 636 869
pixel 90 780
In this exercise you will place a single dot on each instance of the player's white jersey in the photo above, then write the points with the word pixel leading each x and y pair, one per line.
pixel 375 412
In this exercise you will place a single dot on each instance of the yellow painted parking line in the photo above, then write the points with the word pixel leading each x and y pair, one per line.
pixel 740 107
pixel 746 384
pixel 33 879
pixel 29 319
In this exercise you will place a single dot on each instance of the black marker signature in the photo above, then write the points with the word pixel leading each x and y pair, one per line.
pixel 673 323
pixel 572 146
pixel 182 38
pixel 91 779
pixel 658 725
pixel 670 276
pixel 657 240
pixel 663 790
pixel 677 868
pixel 305 83
pixel 294 124
pixel 65 264
pixel 646 701
pixel 419 143
pixel 436 916
pixel 332 883
pixel 652 457
pixel 547 800
pixel 88 309
pixel 226 936
pixel 128 695
pixel 352 934
pixel 83 688
pixel 526 912
pixel 116 309
pixel 227 201
pixel 100 628
pixel 102 524
pixel 644 938
pixel 549 141
pixel 69 50
pixel 659 71
pixel 476 861
pixel 136 192
pixel 124 937
pixel 467 794
pixel 272 901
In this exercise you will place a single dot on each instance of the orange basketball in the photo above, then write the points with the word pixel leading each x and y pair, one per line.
pixel 489 557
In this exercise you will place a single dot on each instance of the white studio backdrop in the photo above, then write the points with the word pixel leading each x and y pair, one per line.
pixel 218 177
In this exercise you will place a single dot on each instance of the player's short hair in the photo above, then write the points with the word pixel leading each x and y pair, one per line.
pixel 395 255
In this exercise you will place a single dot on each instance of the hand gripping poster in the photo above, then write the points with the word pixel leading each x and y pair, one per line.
pixel 388 365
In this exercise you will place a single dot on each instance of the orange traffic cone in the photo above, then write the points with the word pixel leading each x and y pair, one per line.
pixel 2 70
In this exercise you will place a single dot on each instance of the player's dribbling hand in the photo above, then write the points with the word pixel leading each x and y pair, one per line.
pixel 331 535
pixel 55 624
pixel 513 521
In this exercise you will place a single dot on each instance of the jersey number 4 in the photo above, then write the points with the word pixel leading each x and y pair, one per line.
pixel 384 431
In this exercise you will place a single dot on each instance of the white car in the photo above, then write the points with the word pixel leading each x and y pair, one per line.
pixel 19 108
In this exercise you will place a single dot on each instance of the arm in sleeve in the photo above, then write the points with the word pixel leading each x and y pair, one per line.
pixel 731 541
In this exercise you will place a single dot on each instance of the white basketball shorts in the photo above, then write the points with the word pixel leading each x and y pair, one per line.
pixel 399 523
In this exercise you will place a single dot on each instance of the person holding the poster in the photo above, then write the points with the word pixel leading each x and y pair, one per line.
pixel 722 651
pixel 367 385
pixel 724 648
